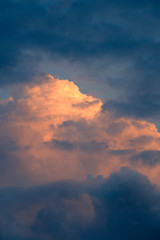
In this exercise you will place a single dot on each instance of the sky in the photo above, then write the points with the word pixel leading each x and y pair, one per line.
pixel 79 119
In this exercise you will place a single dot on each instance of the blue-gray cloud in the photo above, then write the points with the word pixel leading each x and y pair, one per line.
pixel 86 146
pixel 150 158
pixel 115 42
pixel 124 206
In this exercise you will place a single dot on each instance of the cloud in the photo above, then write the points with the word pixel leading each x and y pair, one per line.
pixel 45 138
pixel 124 205
pixel 150 158
pixel 32 121
pixel 50 131
pixel 64 145
pixel 113 45
pixel 144 106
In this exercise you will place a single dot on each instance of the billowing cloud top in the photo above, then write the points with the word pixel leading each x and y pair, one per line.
pixel 50 131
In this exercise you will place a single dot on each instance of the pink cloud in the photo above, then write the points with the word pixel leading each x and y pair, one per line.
pixel 51 131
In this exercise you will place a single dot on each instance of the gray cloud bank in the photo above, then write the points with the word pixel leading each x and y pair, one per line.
pixel 124 206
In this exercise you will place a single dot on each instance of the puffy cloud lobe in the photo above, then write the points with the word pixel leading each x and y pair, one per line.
pixel 31 121
pixel 50 131
pixel 125 205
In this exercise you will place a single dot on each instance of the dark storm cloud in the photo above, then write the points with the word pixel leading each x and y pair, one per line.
pixel 124 206
pixel 115 42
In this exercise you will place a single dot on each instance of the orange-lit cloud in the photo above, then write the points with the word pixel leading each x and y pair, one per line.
pixel 50 130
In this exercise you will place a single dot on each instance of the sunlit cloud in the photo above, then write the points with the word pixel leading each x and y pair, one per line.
pixel 51 131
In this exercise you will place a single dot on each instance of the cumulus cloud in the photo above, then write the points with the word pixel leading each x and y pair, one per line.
pixel 48 132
